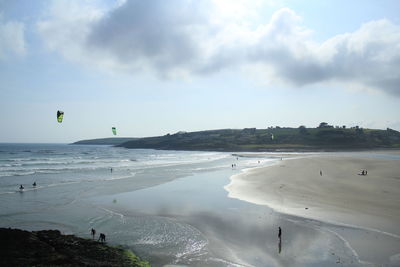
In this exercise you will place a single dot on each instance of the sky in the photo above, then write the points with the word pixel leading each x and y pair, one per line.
pixel 154 67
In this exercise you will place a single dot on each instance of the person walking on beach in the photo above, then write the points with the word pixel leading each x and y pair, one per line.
pixel 280 240
pixel 111 170
pixel 93 233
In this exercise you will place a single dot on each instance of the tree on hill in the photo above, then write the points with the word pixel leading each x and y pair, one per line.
pixel 324 125
pixel 303 130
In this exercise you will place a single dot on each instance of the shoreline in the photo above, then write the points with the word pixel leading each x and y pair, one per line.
pixel 339 196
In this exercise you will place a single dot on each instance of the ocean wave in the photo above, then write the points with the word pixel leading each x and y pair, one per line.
pixel 24 172
pixel 6 174
pixel 50 161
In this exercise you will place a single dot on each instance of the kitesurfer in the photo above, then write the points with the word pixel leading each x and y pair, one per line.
pixel 21 187
pixel 60 116
pixel 34 184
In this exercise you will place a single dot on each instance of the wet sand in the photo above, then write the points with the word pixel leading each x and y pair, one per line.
pixel 340 195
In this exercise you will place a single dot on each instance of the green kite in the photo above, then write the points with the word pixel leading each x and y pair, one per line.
pixel 60 116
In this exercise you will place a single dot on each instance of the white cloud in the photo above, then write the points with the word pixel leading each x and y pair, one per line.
pixel 12 41
pixel 193 37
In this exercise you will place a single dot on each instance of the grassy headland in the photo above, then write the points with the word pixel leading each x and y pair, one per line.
pixel 273 139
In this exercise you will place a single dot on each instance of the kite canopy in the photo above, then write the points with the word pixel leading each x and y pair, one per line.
pixel 60 116
pixel 114 130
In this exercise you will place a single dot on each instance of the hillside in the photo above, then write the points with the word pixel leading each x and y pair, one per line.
pixel 273 139
pixel 105 141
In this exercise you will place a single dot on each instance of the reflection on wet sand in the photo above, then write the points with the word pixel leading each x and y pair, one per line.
pixel 235 232
pixel 253 242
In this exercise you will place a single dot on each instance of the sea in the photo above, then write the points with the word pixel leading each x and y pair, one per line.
pixel 168 207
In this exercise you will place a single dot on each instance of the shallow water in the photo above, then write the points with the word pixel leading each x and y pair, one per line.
pixel 169 207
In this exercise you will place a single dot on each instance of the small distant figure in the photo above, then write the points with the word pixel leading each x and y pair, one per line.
pixel 232 166
pixel 34 184
pixel 21 187
pixel 363 172
pixel 280 240
pixel 102 238
pixel 320 172
pixel 93 232
pixel 111 170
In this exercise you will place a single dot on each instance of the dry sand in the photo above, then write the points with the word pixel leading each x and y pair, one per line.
pixel 340 195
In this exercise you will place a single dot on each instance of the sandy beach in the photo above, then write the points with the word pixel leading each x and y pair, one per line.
pixel 340 195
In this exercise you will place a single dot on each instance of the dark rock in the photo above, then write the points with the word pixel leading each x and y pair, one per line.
pixel 51 248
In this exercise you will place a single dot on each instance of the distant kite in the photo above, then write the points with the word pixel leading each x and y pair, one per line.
pixel 60 116
pixel 114 130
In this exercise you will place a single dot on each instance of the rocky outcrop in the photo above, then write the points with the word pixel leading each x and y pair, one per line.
pixel 51 248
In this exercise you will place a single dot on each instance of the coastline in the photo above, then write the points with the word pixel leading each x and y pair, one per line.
pixel 338 196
